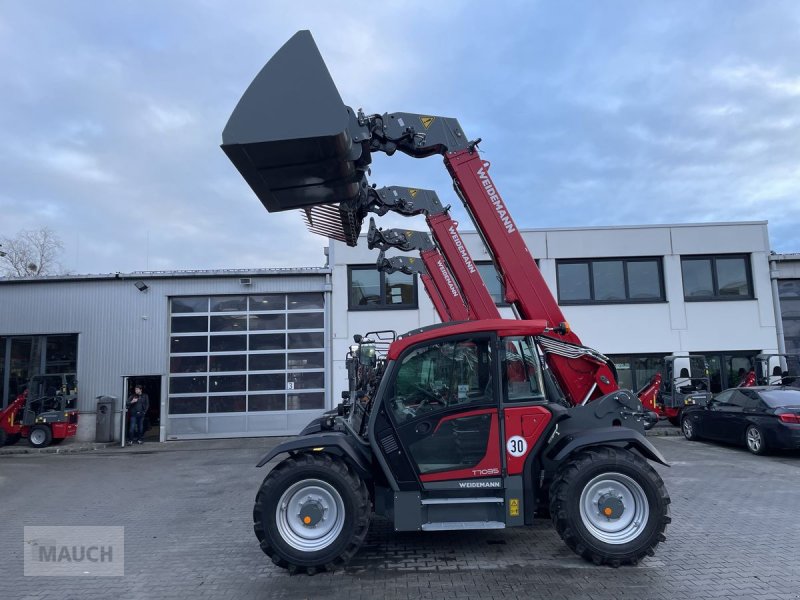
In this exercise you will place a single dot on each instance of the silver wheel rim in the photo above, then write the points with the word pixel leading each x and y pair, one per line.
pixel 754 439
pixel 630 524
pixel 687 428
pixel 289 515
pixel 37 437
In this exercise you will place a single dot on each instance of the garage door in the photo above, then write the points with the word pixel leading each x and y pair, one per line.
pixel 245 365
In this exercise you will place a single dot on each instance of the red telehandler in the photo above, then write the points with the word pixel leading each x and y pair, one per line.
pixel 475 424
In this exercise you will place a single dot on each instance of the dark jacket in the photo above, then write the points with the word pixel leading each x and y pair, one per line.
pixel 140 407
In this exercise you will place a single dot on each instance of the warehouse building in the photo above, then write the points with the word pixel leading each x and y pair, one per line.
pixel 261 352
pixel 220 353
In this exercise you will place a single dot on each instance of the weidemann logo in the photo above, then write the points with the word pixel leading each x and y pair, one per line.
pixel 495 199
pixel 461 249
pixel 448 280
pixel 479 484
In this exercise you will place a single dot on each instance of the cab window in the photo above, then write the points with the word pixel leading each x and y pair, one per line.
pixel 443 375
pixel 521 381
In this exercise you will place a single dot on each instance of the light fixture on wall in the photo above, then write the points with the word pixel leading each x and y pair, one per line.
pixel 141 286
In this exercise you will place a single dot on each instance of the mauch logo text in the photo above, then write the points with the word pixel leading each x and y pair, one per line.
pixel 57 554
pixel 83 551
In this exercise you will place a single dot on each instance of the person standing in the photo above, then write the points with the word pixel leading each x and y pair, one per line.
pixel 137 404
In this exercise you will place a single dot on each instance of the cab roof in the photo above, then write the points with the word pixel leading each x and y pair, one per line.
pixel 503 327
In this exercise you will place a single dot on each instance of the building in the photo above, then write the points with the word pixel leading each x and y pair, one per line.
pixel 220 353
pixel 635 293
pixel 247 353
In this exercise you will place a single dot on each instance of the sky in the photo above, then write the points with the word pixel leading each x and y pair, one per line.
pixel 591 113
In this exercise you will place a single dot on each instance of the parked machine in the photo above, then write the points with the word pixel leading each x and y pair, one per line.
pixel 470 424
pixel 45 413
pixel 682 381
pixel 774 369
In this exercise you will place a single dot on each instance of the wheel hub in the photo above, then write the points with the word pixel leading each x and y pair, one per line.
pixel 611 506
pixel 311 512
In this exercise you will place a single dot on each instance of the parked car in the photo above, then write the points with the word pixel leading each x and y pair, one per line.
pixel 762 418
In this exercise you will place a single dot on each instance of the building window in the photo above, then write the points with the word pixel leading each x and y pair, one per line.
pixel 789 294
pixel 725 277
pixel 369 289
pixel 610 281
pixel 492 281
pixel 635 371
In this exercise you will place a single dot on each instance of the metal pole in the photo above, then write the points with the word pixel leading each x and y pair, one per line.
pixel 124 410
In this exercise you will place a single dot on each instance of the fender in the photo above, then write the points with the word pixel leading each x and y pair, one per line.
pixel 562 447
pixel 334 442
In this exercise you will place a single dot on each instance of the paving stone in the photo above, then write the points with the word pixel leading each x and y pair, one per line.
pixel 188 532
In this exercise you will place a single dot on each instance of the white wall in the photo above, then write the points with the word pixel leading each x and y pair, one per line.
pixel 669 327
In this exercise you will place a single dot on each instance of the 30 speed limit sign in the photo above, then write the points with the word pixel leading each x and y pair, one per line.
pixel 516 445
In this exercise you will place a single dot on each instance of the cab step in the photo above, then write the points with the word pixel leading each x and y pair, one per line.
pixel 482 500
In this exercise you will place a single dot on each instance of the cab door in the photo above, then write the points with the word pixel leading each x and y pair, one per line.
pixel 444 405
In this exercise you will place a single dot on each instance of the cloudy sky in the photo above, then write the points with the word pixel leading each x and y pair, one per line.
pixel 591 112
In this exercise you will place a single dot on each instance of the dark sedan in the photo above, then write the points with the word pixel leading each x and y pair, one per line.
pixel 761 418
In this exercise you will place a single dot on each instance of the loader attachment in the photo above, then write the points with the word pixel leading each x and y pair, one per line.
pixel 295 142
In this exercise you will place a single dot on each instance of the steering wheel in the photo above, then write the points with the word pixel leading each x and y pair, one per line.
pixel 430 397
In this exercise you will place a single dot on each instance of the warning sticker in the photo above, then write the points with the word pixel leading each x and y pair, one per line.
pixel 413 193
pixel 426 121
pixel 513 507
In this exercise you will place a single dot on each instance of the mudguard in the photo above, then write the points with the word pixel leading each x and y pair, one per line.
pixel 562 447
pixel 335 442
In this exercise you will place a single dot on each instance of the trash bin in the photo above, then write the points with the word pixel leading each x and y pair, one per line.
pixel 104 431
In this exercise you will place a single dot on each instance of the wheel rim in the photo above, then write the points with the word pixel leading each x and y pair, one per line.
pixel 754 439
pixel 318 502
pixel 37 437
pixel 612 491
pixel 687 428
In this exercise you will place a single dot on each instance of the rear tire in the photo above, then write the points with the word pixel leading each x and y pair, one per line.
pixel 3 437
pixel 617 480
pixel 754 440
pixel 40 436
pixel 308 486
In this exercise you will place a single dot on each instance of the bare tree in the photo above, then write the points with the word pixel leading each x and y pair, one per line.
pixel 32 253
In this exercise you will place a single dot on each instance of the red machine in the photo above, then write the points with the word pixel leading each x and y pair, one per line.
pixel 45 412
pixel 475 424
pixel 683 381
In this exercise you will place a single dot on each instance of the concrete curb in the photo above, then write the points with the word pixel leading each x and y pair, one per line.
pixel 664 432
pixel 21 448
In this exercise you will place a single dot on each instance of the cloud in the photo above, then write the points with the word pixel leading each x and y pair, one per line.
pixel 591 114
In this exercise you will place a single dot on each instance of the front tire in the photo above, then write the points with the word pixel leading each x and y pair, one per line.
pixel 754 440
pixel 609 506
pixel 311 513
pixel 40 436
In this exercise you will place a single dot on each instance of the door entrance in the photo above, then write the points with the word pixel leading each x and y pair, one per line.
pixel 151 385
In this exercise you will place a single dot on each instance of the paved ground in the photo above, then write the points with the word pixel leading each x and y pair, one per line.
pixel 186 512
